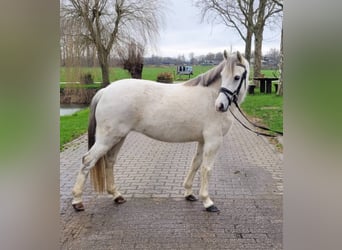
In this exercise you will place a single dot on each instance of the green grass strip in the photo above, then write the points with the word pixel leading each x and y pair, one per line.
pixel 72 126
pixel 267 107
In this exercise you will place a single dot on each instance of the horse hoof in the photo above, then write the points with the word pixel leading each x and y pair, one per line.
pixel 212 209
pixel 191 197
pixel 119 200
pixel 78 207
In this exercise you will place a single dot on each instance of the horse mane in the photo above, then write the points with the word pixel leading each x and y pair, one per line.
pixel 212 75
pixel 206 78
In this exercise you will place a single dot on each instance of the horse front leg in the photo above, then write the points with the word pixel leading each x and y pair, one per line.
pixel 211 148
pixel 196 163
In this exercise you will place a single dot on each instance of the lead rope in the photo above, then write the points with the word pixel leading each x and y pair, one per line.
pixel 255 125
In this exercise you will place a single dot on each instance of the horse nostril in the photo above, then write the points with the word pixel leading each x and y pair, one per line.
pixel 221 108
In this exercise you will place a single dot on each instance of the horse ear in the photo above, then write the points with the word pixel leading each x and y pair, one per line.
pixel 225 54
pixel 239 56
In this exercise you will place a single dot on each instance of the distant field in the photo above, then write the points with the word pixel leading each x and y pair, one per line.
pixel 73 74
pixel 149 73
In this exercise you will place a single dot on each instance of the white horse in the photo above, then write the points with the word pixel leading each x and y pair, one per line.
pixel 191 111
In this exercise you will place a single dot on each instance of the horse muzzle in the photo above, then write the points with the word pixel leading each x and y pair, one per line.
pixel 221 108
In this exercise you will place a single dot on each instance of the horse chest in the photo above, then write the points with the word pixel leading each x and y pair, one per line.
pixel 226 125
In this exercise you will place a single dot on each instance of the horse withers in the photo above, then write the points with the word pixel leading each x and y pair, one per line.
pixel 193 111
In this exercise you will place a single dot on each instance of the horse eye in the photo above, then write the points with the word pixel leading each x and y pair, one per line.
pixel 236 78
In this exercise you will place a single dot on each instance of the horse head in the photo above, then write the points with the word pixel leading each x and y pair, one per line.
pixel 234 77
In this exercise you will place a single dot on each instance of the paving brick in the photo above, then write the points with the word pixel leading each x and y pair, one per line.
pixel 246 184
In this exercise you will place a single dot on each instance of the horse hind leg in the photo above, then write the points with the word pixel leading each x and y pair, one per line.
pixel 196 163
pixel 110 160
pixel 88 161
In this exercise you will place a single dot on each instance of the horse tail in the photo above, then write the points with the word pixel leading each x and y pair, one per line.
pixel 98 172
pixel 92 119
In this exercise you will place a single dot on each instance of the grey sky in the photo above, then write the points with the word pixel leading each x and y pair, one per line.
pixel 184 33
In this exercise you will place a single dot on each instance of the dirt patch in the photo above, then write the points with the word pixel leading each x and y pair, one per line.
pixel 269 108
pixel 276 143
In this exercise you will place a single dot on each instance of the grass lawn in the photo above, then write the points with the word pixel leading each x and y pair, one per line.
pixel 267 107
pixel 72 126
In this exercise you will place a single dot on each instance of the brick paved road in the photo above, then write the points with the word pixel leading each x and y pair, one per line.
pixel 246 184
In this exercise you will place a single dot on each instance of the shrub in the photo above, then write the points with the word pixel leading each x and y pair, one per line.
pixel 165 77
pixel 86 78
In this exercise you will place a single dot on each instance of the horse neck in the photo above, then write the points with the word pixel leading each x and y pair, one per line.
pixel 216 85
pixel 213 76
pixel 217 79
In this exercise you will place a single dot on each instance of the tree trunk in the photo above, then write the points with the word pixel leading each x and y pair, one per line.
pixel 250 30
pixel 105 74
pixel 258 52
pixel 281 82
pixel 137 71
pixel 103 61
pixel 258 37
pixel 248 46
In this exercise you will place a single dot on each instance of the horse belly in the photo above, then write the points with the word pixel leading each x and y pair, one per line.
pixel 170 130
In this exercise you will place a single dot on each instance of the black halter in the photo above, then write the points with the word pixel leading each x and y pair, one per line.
pixel 233 96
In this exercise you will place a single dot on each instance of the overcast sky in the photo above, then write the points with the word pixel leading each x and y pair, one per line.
pixel 184 33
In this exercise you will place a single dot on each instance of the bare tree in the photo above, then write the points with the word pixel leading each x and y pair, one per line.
pixel 236 14
pixel 109 24
pixel 133 60
pixel 281 64
pixel 192 58
pixel 266 9
pixel 181 59
pixel 247 17
pixel 71 50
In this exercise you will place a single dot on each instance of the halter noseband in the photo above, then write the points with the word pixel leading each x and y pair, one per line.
pixel 233 96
